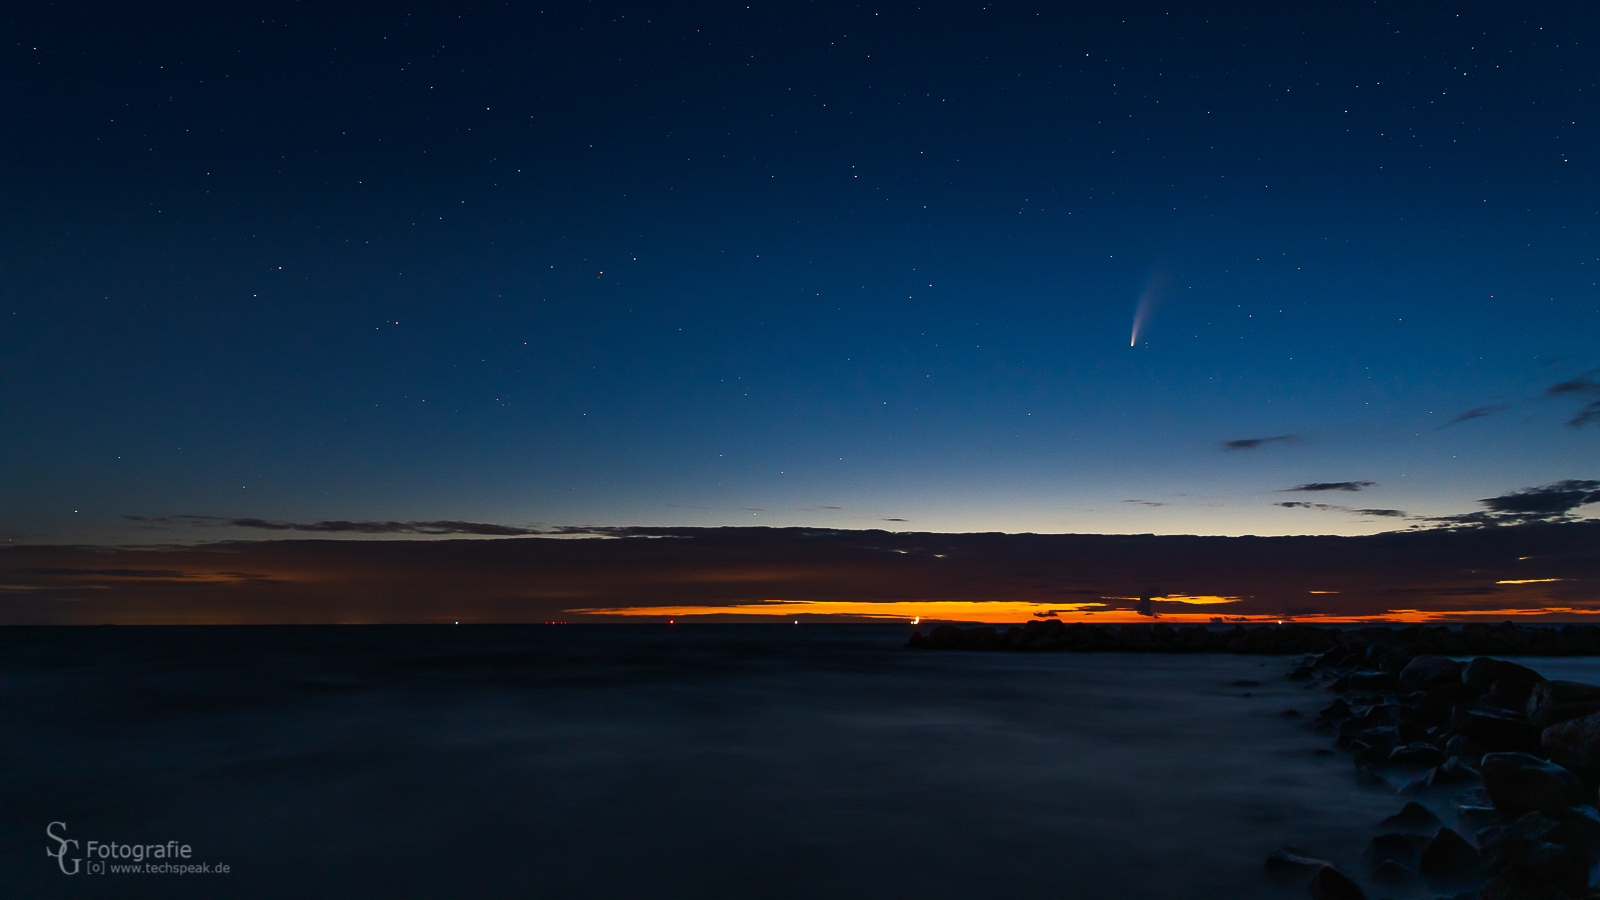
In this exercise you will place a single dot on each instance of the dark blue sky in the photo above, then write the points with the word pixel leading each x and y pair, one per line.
pixel 827 264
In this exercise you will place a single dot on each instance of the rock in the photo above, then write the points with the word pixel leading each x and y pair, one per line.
pixel 1566 868
pixel 1385 737
pixel 1417 754
pixel 1337 711
pixel 1366 754
pixel 1303 673
pixel 1244 682
pixel 1465 749
pixel 1395 847
pixel 1424 672
pixel 1520 883
pixel 1332 655
pixel 1394 875
pixel 1575 743
pixel 917 640
pixel 1292 861
pixel 1135 636
pixel 1371 681
pixel 1415 818
pixel 1519 782
pixel 982 637
pixel 1506 844
pixel 1495 732
pixel 1483 672
pixel 1367 775
pixel 945 637
pixel 1449 862
pixel 1553 702
pixel 1512 693
pixel 1290 714
pixel 1414 786
pixel 1453 771
pixel 1331 884
pixel 1579 826
pixel 1476 818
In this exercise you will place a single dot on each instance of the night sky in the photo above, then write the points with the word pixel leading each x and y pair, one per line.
pixel 427 269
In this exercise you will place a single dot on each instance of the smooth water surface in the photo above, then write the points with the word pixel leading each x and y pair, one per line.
pixel 658 761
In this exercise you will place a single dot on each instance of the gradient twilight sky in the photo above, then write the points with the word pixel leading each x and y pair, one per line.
pixel 825 264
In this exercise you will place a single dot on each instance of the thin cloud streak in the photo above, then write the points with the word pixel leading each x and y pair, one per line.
pixel 1253 443
pixel 1331 486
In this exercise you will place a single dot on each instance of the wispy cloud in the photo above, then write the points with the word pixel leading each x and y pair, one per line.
pixel 1331 486
pixel 442 526
pixel 1253 443
pixel 1584 386
pixel 1145 502
pixel 1477 413
pixel 1330 507
pixel 1546 503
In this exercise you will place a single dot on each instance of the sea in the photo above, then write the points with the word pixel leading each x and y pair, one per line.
pixel 657 761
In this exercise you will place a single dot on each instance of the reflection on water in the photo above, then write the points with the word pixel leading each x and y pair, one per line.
pixel 659 761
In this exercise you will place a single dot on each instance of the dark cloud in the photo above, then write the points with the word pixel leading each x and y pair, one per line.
pixel 1477 413
pixel 1546 503
pixel 443 526
pixel 1581 387
pixel 1330 507
pixel 534 579
pixel 1253 443
pixel 110 573
pixel 1552 499
pixel 894 520
pixel 1331 486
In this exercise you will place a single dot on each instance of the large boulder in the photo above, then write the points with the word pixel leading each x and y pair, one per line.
pixel 1520 782
pixel 1511 693
pixel 1424 672
pixel 1483 672
pixel 1575 744
pixel 1395 847
pixel 982 637
pixel 1552 702
pixel 1371 681
pixel 1332 884
pixel 1135 636
pixel 1420 753
pixel 1414 818
pixel 1465 749
pixel 1450 863
pixel 1520 883
pixel 1495 732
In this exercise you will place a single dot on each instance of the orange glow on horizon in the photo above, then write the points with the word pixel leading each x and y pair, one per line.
pixel 1011 612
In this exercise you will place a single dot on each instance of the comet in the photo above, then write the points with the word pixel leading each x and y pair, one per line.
pixel 1148 300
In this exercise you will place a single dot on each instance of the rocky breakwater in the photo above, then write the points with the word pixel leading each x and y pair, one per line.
pixel 1385 649
pixel 1501 765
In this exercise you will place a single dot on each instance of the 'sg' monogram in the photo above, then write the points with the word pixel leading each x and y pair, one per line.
pixel 60 852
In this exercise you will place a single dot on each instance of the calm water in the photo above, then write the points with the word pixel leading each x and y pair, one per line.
pixel 657 761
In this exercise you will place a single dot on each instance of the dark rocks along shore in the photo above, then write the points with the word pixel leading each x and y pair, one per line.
pixel 1498 767
pixel 1376 643
pixel 1511 758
